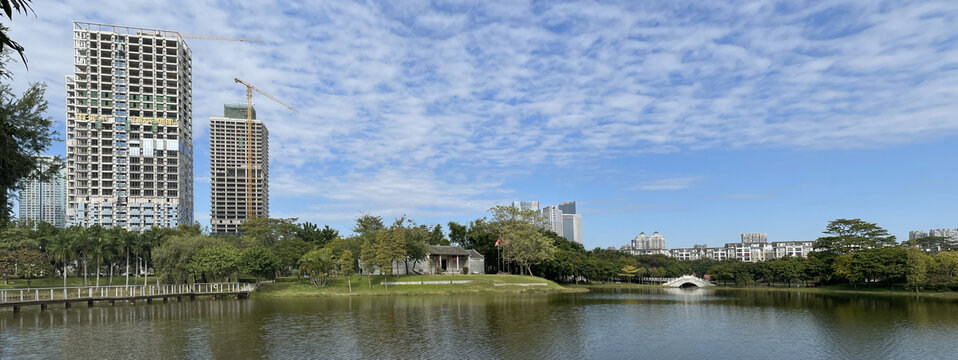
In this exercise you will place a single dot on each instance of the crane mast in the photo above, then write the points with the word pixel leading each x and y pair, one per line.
pixel 249 139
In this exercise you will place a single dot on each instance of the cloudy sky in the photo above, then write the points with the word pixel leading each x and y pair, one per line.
pixel 697 119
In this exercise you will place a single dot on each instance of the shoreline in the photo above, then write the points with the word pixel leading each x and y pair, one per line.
pixel 832 289
pixel 478 284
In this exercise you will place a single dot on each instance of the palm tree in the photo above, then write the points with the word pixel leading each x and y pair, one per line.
pixel 101 250
pixel 127 241
pixel 81 244
pixel 62 251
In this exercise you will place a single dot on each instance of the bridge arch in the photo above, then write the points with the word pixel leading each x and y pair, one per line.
pixel 688 281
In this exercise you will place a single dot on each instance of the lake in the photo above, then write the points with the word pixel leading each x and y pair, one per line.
pixel 653 323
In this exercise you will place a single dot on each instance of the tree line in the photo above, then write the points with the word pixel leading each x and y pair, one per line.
pixel 852 251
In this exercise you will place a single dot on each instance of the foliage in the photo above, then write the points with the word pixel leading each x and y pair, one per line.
pixel 172 259
pixel 31 263
pixel 268 231
pixel 26 131
pixel 9 6
pixel 258 261
pixel 847 235
pixel 288 251
pixel 525 244
pixel 215 262
pixel 312 234
pixel 917 265
pixel 347 266
pixel 318 264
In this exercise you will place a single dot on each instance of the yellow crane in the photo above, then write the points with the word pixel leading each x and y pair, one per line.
pixel 249 139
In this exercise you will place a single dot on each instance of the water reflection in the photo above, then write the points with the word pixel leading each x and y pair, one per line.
pixel 617 323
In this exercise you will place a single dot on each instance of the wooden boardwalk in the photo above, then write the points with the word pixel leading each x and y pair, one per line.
pixel 43 297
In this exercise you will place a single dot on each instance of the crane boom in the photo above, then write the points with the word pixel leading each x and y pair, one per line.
pixel 248 85
pixel 210 37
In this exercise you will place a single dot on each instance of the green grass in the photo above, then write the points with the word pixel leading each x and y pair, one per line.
pixel 71 281
pixel 481 284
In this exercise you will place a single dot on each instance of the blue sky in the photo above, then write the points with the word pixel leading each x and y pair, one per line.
pixel 697 119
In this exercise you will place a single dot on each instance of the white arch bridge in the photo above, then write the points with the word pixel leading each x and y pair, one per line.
pixel 688 281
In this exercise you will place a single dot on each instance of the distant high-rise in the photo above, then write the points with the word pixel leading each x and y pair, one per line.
pixel 754 238
pixel 45 200
pixel 567 207
pixel 229 166
pixel 572 227
pixel 553 217
pixel 129 136
pixel 526 205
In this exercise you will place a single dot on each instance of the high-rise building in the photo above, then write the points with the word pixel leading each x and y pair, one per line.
pixel 129 126
pixel 229 148
pixel 567 207
pixel 45 200
pixel 572 227
pixel 553 217
pixel 526 205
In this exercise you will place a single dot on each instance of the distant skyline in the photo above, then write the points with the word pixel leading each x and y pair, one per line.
pixel 700 120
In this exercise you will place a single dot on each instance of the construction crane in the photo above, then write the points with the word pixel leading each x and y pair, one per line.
pixel 210 37
pixel 249 139
pixel 162 33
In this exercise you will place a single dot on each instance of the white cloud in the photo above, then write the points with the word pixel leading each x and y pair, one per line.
pixel 510 86
pixel 675 183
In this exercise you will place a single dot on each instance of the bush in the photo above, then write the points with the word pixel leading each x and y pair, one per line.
pixel 465 270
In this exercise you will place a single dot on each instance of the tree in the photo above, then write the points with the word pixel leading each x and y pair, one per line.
pixel 289 251
pixel 457 233
pixel 347 266
pixel 8 265
pixel 524 244
pixel 219 262
pixel 258 261
pixel 318 264
pixel 312 234
pixel 171 260
pixel 268 231
pixel 917 268
pixel 416 239
pixel 948 261
pixel 32 263
pixel 368 224
pixel 848 235
pixel 9 6
pixel 436 236
pixel 25 132
pixel 628 272
pixel 368 254
pixel 61 251
pixel 390 247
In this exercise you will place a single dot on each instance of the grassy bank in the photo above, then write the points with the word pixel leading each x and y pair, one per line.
pixel 481 284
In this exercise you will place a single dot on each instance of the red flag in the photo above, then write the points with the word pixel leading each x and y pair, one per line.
pixel 498 241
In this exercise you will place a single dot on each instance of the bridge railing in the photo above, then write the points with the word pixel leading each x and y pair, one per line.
pixel 118 291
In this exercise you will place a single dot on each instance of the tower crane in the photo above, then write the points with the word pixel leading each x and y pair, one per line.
pixel 249 139
pixel 210 37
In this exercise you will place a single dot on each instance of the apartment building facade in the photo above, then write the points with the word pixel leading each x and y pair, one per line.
pixel 44 200
pixel 230 169
pixel 129 136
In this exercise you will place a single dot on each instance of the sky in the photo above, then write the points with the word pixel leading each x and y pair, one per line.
pixel 699 119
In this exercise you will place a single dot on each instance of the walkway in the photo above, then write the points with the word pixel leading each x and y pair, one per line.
pixel 16 298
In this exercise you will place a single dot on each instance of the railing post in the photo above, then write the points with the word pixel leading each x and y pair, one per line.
pixel 21 295
pixel 51 294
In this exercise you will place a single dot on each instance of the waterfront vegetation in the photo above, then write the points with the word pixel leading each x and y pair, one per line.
pixel 854 254
pixel 370 285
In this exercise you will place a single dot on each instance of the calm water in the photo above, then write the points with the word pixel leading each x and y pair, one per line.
pixel 646 323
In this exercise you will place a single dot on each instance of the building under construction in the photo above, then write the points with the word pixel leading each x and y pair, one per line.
pixel 231 154
pixel 129 131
